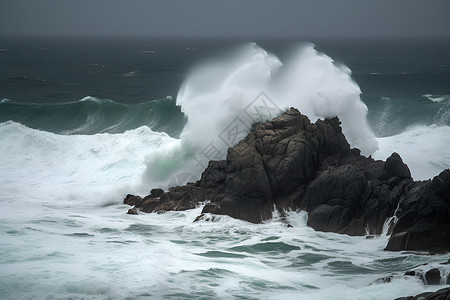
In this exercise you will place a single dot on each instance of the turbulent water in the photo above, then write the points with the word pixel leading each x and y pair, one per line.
pixel 83 123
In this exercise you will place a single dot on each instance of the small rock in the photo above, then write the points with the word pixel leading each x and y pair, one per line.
pixel 133 211
pixel 156 192
pixel 131 199
pixel 423 296
pixel 442 294
pixel 386 279
pixel 433 277
pixel 211 208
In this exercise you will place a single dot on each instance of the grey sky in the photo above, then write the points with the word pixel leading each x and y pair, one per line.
pixel 232 18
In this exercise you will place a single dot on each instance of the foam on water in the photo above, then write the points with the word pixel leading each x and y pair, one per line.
pixel 73 168
pixel 169 256
pixel 66 235
pixel 220 91
pixel 423 148
pixel 437 98
pixel 224 97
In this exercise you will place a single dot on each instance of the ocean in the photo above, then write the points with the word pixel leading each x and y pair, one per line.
pixel 84 122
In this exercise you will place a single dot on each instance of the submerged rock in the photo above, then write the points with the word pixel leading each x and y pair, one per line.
pixel 426 274
pixel 291 163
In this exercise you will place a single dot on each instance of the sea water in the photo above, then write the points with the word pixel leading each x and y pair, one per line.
pixel 85 122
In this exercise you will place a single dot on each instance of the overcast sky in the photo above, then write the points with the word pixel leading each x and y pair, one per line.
pixel 199 18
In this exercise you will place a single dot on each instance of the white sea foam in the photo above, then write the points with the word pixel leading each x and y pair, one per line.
pixel 250 84
pixel 320 88
pixel 437 98
pixel 222 259
pixel 53 185
pixel 218 92
pixel 131 74
pixel 58 165
pixel 423 148
pixel 65 235
pixel 92 99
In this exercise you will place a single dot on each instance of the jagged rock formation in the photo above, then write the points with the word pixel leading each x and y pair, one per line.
pixel 424 217
pixel 291 163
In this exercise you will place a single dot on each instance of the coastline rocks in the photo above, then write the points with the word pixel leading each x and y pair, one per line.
pixel 427 275
pixel 131 200
pixel 356 198
pixel 291 163
pixel 442 294
pixel 424 217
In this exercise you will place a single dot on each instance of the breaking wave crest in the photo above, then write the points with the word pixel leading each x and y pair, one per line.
pixel 222 98
pixel 91 115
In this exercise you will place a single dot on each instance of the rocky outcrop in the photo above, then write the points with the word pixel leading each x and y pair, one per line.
pixel 424 217
pixel 442 294
pixel 291 163
pixel 356 197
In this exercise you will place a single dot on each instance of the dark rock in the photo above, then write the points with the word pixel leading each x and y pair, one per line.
pixel 131 200
pixel 433 277
pixel 156 192
pixel 446 262
pixel 386 279
pixel 352 198
pixel 133 211
pixel 395 167
pixel 442 294
pixel 428 277
pixel 424 217
pixel 212 208
pixel 290 163
pixel 371 237
pixel 199 218
pixel 205 217
pixel 149 204
pixel 423 296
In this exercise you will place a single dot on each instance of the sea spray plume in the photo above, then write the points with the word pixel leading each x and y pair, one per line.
pixel 214 98
pixel 217 94
pixel 320 88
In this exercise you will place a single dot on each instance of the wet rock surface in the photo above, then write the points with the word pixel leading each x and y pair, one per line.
pixel 442 294
pixel 291 163
pixel 427 274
